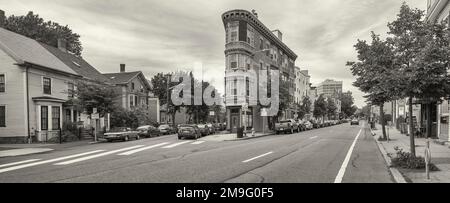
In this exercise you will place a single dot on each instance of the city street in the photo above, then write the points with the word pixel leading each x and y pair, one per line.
pixel 325 155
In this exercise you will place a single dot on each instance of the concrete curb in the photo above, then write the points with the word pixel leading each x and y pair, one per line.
pixel 398 177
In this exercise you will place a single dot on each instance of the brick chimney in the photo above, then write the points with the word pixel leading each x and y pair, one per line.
pixel 2 18
pixel 62 45
pixel 122 68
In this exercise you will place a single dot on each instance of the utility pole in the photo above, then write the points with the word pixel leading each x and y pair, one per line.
pixel 167 104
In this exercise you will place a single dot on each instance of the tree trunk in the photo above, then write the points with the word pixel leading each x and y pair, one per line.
pixel 411 128
pixel 383 123
pixel 429 121
pixel 173 118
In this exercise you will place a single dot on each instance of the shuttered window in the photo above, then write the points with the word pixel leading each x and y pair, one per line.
pixel 2 116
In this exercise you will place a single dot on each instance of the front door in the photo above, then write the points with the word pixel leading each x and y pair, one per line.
pixel 235 123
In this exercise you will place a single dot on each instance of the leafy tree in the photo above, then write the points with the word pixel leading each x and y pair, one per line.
pixel 331 108
pixel 422 51
pixel 320 107
pixel 347 104
pixel 47 32
pixel 92 95
pixel 159 88
pixel 375 72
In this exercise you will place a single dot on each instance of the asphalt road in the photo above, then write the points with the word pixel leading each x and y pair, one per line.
pixel 325 155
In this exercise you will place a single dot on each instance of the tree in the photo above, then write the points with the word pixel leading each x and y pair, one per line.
pixel 92 95
pixel 375 72
pixel 49 32
pixel 320 107
pixel 304 108
pixel 347 104
pixel 160 89
pixel 422 50
pixel 331 108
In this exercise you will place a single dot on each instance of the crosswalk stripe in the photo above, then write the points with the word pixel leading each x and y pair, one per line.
pixel 198 142
pixel 48 161
pixel 97 155
pixel 142 149
pixel 176 144
pixel 18 163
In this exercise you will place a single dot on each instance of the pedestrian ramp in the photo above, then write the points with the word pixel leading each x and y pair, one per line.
pixel 85 156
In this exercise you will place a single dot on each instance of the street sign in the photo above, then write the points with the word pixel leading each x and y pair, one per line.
pixel 95 116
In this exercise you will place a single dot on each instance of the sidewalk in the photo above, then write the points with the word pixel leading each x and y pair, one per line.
pixel 440 156
pixel 233 137
pixel 9 150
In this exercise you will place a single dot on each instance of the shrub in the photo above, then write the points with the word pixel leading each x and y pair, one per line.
pixel 406 161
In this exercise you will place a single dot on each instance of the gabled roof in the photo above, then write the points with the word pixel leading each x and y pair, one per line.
pixel 77 64
pixel 28 51
pixel 126 77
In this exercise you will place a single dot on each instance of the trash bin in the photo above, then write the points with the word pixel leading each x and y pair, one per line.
pixel 240 132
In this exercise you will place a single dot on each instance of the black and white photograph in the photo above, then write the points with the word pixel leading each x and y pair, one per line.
pixel 225 92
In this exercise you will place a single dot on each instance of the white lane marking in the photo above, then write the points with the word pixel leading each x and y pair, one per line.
pixel 18 163
pixel 48 161
pixel 198 142
pixel 341 173
pixel 246 161
pixel 313 137
pixel 97 155
pixel 142 149
pixel 176 144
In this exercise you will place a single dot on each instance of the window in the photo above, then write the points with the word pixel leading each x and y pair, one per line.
pixel 261 44
pixel 75 116
pixel 2 83
pixel 47 83
pixel 44 117
pixel 56 116
pixel 136 100
pixel 68 116
pixel 131 100
pixel 234 61
pixel 247 86
pixel 132 86
pixel 2 116
pixel 71 90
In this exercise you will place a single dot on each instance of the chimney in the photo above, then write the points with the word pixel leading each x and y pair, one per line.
pixel 278 34
pixel 122 68
pixel 2 18
pixel 62 45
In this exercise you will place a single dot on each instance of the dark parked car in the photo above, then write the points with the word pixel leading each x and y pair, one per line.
pixel 166 129
pixel 188 131
pixel 148 131
pixel 204 130
pixel 121 133
pixel 287 126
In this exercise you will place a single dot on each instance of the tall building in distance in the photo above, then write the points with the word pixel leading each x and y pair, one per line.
pixel 251 46
pixel 330 88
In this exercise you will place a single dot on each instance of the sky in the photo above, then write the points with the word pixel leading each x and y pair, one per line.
pixel 155 36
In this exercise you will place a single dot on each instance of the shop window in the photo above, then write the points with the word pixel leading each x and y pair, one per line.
pixel 56 117
pixel 44 117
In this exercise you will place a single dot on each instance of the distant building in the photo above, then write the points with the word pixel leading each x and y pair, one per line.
pixel 302 85
pixel 135 92
pixel 329 88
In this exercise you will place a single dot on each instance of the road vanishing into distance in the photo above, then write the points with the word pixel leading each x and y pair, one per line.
pixel 338 154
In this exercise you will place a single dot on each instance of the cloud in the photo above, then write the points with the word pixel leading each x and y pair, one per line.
pixel 160 36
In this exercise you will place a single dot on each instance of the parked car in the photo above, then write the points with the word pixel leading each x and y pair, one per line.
pixel 218 127
pixel 315 124
pixel 354 122
pixel 286 126
pixel 188 131
pixel 204 130
pixel 166 129
pixel 301 126
pixel 121 133
pixel 148 131
pixel 212 128
pixel 308 125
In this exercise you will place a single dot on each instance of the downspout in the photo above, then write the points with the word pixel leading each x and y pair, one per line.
pixel 28 105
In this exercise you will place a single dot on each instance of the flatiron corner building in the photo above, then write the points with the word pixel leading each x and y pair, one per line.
pixel 250 45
